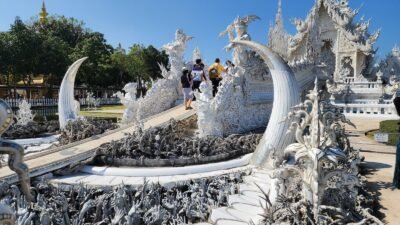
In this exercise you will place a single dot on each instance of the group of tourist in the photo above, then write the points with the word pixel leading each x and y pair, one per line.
pixel 191 79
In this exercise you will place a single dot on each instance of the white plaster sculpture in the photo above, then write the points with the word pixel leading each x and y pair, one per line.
pixel 204 116
pixel 92 102
pixel 321 160
pixel 176 50
pixel 130 102
pixel 164 92
pixel 77 107
pixel 286 95
pixel 392 87
pixel 196 54
pixel 66 103
pixel 24 114
pixel 334 87
pixel 239 26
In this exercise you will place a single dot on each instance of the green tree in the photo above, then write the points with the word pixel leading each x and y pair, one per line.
pixel 54 60
pixel 49 48
pixel 120 64
pixel 144 66
pixel 96 70
pixel 70 30
pixel 5 59
pixel 25 45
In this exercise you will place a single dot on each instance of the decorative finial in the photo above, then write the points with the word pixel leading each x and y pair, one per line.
pixel 396 51
pixel 279 6
pixel 379 75
pixel 43 13
pixel 279 16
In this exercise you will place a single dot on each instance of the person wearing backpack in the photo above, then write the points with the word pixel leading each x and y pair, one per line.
pixel 215 73
pixel 186 81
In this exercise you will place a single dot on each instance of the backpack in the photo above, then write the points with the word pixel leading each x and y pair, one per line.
pixel 213 73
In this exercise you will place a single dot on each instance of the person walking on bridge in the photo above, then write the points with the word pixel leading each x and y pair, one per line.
pixel 186 81
pixel 215 73
pixel 198 75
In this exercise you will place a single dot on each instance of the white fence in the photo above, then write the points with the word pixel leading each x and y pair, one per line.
pixel 45 111
pixel 48 102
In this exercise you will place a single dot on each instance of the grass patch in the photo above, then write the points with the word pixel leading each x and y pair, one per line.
pixel 107 107
pixel 391 127
pixel 100 111
pixel 99 114
pixel 388 126
pixel 111 107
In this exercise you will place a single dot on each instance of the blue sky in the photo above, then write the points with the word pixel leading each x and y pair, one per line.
pixel 155 21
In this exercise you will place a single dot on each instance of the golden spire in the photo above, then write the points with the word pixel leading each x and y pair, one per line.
pixel 43 13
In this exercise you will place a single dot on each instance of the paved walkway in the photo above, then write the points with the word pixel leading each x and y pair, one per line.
pixel 74 154
pixel 379 162
pixel 379 180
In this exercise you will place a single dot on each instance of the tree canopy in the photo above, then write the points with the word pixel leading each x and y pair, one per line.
pixel 35 48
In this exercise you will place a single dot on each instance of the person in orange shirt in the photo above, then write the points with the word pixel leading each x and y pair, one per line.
pixel 215 73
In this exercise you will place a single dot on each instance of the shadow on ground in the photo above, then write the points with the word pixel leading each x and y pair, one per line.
pixel 373 190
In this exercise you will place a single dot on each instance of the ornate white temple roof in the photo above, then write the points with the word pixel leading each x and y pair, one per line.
pixel 309 30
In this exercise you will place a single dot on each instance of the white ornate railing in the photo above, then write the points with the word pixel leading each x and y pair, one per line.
pixel 372 101
pixel 369 110
pixel 47 102
pixel 367 85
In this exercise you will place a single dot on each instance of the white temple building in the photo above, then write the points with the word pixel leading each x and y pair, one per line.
pixel 331 45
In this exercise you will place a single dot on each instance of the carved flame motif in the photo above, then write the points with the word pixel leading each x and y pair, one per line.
pixel 322 151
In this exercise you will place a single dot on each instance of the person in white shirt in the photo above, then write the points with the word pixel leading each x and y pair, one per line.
pixel 198 75
pixel 77 105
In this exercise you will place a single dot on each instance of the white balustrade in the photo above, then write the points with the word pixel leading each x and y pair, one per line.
pixel 369 110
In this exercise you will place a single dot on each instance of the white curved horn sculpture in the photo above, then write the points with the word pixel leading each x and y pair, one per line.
pixel 66 95
pixel 286 95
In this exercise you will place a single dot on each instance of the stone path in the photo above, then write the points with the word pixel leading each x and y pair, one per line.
pixel 380 176
pixel 379 162
pixel 84 150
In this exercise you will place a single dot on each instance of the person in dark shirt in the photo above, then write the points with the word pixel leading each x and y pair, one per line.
pixel 186 81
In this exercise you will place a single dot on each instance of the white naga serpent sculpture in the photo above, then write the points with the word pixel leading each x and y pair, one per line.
pixel 66 102
pixel 286 95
